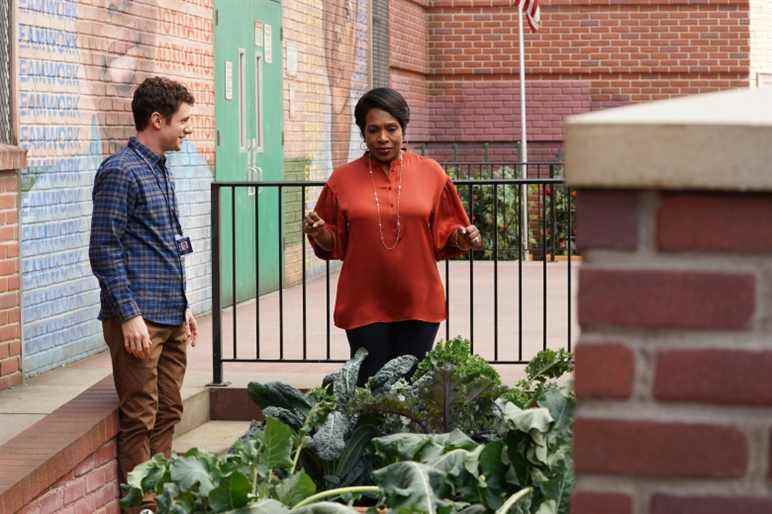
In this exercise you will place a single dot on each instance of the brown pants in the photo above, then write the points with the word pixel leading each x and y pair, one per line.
pixel 150 402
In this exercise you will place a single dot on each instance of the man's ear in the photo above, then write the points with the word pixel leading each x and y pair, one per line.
pixel 156 120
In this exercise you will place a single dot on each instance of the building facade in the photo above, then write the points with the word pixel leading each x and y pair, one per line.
pixel 282 83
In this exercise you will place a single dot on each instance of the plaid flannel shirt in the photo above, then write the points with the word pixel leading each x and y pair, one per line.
pixel 133 251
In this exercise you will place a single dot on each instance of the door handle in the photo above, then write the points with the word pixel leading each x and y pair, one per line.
pixel 254 174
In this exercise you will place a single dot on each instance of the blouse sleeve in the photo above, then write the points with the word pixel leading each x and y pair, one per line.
pixel 334 222
pixel 447 217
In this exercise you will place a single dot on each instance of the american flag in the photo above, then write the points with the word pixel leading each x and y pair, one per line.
pixel 531 10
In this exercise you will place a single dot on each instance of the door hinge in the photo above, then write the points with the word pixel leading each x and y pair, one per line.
pixel 218 137
pixel 282 138
pixel 216 17
pixel 281 33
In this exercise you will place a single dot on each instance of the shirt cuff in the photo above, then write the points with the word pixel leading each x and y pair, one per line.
pixel 128 309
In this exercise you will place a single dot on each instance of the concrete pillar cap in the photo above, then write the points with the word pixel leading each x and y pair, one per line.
pixel 714 141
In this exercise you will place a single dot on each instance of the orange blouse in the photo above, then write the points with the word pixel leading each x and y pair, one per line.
pixel 380 285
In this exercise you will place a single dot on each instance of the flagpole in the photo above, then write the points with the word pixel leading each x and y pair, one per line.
pixel 523 135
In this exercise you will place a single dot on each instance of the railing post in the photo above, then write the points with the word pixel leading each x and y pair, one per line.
pixel 217 378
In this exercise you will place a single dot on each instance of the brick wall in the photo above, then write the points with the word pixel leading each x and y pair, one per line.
pixel 761 42
pixel 11 159
pixel 409 61
pixel 66 462
pixel 91 487
pixel 622 53
pixel 673 305
pixel 78 63
pixel 489 110
pixel 673 362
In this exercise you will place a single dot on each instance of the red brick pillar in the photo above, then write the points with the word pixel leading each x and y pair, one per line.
pixel 12 159
pixel 674 362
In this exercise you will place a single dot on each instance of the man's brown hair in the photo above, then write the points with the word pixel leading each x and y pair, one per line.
pixel 161 95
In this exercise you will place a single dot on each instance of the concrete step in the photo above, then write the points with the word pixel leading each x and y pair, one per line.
pixel 212 436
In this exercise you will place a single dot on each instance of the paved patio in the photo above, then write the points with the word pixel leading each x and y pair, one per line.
pixel 21 406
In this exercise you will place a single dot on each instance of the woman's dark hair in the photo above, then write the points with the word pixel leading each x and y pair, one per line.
pixel 383 98
pixel 157 94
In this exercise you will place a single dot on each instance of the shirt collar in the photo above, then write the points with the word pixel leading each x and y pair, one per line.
pixel 153 158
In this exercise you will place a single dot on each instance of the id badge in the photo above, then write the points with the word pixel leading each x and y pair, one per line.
pixel 184 245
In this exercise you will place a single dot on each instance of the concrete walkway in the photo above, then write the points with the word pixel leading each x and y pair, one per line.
pixel 22 406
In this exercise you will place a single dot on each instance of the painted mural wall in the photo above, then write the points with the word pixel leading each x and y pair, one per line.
pixel 78 64
pixel 79 61
pixel 327 69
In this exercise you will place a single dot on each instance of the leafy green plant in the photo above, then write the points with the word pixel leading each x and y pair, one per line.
pixel 453 473
pixel 559 209
pixel 496 211
pixel 543 373
pixel 258 474
pixel 334 447
pixel 519 438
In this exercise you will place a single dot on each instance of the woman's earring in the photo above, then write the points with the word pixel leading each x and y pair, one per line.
pixel 363 146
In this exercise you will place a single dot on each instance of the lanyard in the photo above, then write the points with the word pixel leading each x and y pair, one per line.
pixel 164 191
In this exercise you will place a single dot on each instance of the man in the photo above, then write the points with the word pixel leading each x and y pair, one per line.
pixel 136 251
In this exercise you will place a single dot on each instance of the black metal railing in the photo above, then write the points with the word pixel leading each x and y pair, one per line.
pixel 496 197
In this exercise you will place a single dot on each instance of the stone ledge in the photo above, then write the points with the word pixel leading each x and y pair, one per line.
pixel 716 141
pixel 37 458
pixel 12 158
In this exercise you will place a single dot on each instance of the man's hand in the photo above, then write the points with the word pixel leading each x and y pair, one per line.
pixel 136 338
pixel 191 328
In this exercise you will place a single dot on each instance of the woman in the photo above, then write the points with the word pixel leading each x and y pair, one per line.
pixel 389 216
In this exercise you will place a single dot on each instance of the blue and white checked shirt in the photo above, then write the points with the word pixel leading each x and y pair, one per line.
pixel 133 251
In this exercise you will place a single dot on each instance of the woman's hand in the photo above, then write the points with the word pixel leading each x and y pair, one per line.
pixel 313 225
pixel 468 238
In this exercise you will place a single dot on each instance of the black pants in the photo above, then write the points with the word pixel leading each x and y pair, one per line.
pixel 385 341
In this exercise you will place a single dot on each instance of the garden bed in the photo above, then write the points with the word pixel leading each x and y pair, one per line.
pixel 440 435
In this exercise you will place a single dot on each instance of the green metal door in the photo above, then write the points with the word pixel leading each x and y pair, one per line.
pixel 248 82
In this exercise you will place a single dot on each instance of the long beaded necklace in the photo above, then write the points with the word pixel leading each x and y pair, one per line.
pixel 378 202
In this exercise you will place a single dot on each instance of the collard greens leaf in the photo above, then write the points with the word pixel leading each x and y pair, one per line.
pixel 420 447
pixel 296 488
pixel 452 463
pixel 398 447
pixel 186 472
pixel 454 439
pixel 525 420
pixel 137 478
pixel 411 487
pixel 493 473
pixel 277 445
pixel 232 493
